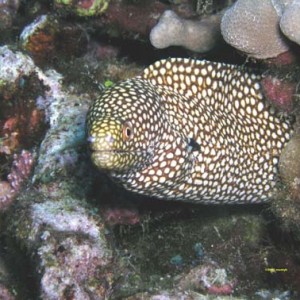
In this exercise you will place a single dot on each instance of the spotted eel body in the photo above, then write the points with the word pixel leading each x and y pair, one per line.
pixel 189 130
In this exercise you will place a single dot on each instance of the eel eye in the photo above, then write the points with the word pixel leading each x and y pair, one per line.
pixel 127 131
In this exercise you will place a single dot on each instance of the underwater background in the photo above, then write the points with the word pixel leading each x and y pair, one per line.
pixel 67 231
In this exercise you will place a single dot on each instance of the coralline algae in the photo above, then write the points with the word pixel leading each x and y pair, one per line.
pixel 84 8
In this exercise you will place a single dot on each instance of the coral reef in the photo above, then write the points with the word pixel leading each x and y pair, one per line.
pixel 84 266
pixel 232 241
pixel 5 289
pixel 125 216
pixel 286 203
pixel 6 194
pixel 58 152
pixel 71 251
pixel 83 8
pixel 20 171
pixel 290 163
pixel 5 294
pixel 78 261
pixel 14 65
pixel 133 20
pixel 248 16
pixel 38 37
pixel 282 60
pixel 8 11
pixel 273 22
pixel 208 277
pixel 289 21
pixel 42 39
pixel 198 36
pixel 57 105
pixel 268 295
pixel 70 233
pixel 280 92
pixel 21 168
pixel 21 122
pixel 68 242
pixel 177 294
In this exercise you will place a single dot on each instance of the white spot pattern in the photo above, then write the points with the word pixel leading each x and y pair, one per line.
pixel 220 107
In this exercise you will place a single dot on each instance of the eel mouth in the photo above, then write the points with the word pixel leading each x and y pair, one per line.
pixel 117 151
pixel 119 160
pixel 112 151
pixel 106 155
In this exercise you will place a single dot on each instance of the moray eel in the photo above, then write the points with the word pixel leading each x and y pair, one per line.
pixel 189 130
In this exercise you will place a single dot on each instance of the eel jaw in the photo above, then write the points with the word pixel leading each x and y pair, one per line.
pixel 119 161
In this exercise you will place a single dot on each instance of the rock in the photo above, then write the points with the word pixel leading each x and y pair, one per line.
pixel 67 239
pixel 14 65
pixel 48 37
pixel 289 164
